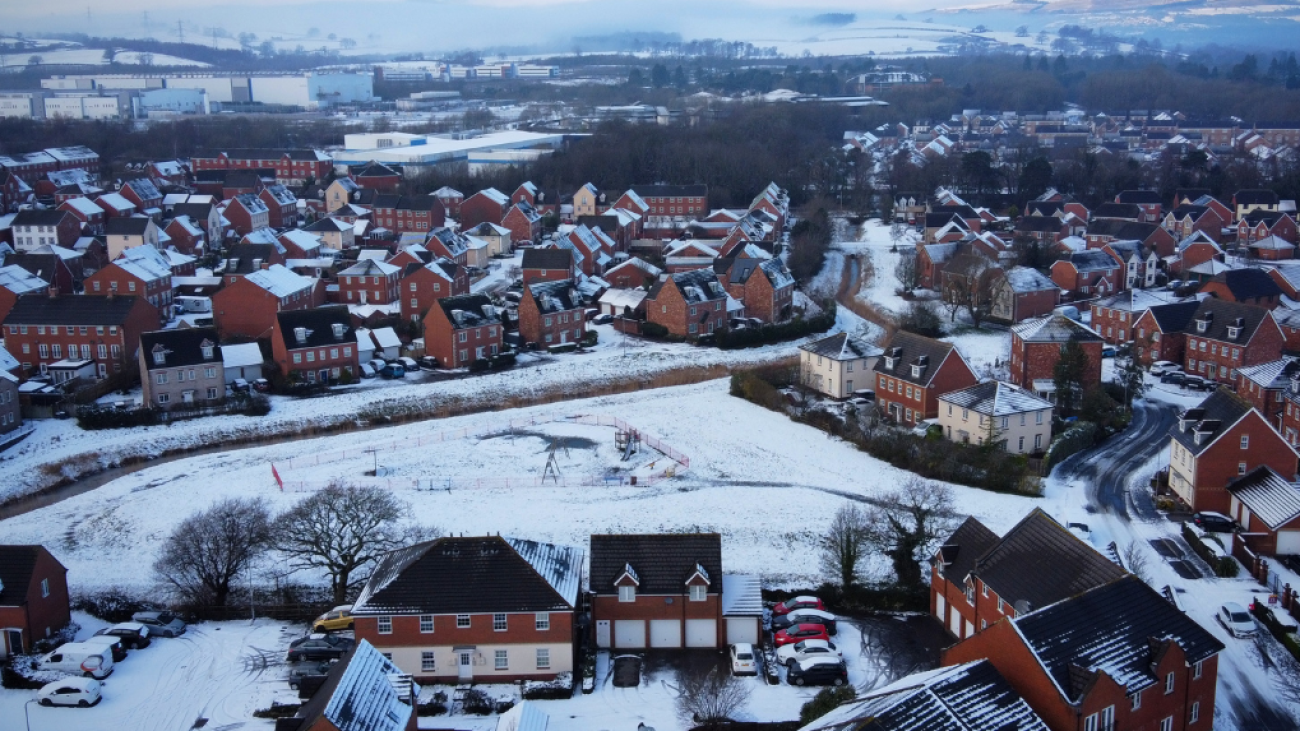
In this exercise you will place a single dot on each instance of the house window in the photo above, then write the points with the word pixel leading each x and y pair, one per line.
pixel 627 593
pixel 462 336
pixel 212 393
pixel 462 621
pixel 970 593
pixel 385 625
pixel 1038 417
pixel 543 658
pixel 1090 723
pixel 502 660
pixel 1196 669
pixel 426 623
pixel 1108 718
pixel 1196 712
pixel 699 592
pixel 45 588
pixel 542 622
pixel 1137 700
pixel 1245 441
pixel 1241 468
pixel 1169 683
pixel 1167 723
pixel 1001 605
pixel 164 398
pixel 498 623
pixel 427 662
pixel 1038 442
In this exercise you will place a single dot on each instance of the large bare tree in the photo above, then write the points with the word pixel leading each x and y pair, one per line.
pixel 209 549
pixel 708 696
pixel 845 544
pixel 907 524
pixel 343 530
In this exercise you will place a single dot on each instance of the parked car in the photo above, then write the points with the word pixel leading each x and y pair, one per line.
pixel 160 624
pixel 393 370
pixel 742 659
pixel 798 602
pixel 818 671
pixel 409 364
pixel 79 692
pixel 319 647
pixel 377 363
pixel 239 385
pixel 114 645
pixel 307 669
pixel 338 618
pixel 1197 383
pixel 1108 352
pixel 602 319
pixel 1174 284
pixel 94 661
pixel 1173 377
pixel 1237 620
pixel 787 654
pixel 429 363
pixel 261 385
pixel 367 371
pixel 1161 367
pixel 1213 522
pixel 805 616
pixel 133 634
pixel 798 632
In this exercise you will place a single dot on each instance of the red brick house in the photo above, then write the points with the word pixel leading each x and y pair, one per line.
pixel 186 235
pixel 1045 230
pixel 528 193
pixel 913 372
pixel 1158 333
pixel 40 331
pixel 1193 251
pixel 463 329
pixel 764 286
pixel 34 604
pixel 1087 274
pixel 422 285
pixel 690 201
pixel 1247 201
pixel 1184 220
pixel 281 206
pixel 1262 224
pixel 363 690
pixel 475 609
pixel 1267 507
pixel 631 274
pixel 1145 666
pixel 408 213
pixel 1152 236
pixel 488 205
pixel 247 307
pixel 1224 336
pixel 549 265
pixel 978 579
pixel 1266 387
pixel 316 345
pixel 377 176
pixel 1247 286
pixel 292 167
pixel 144 194
pixel 1115 318
pixel 85 210
pixel 1218 441
pixel 1036 347
pixel 450 199
pixel 443 242
pixel 16 282
pixel 1272 248
pixel 1147 200
pixel 369 282
pixel 930 259
pixel 551 313
pixel 688 304
pixel 246 212
pixel 657 591
pixel 524 222
pixel 140 272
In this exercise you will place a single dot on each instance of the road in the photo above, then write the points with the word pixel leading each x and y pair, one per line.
pixel 1106 469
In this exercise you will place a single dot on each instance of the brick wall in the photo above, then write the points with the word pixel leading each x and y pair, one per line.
pixel 1219 360
pixel 671 310
pixel 1225 461
pixel 478 209
pixel 1032 361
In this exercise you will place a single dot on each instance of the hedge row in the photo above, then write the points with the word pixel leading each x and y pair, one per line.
pixel 107 417
pixel 779 332
pixel 1223 566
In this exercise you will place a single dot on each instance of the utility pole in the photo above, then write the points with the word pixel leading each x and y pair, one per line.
pixel 180 31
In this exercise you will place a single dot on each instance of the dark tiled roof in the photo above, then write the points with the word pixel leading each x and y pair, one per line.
pixel 71 310
pixel 1044 208
pixel 661 562
pixel 196 211
pixel 1248 283
pixel 1188 210
pixel 469 310
pixel 1146 197
pixel 474 575
pixel 939 220
pixel 318 323
pixel 964 211
pixel 1220 315
pixel 1039 223
pixel 1040 562
pixel 1092 261
pixel 259 154
pixel 960 552
pixel 1268 218
pixel 604 223
pixel 376 170
pixel 242 257
pixel 1117 210
pixel 181 347
pixel 547 259
pixel 40 217
pixel 16 566
pixel 1173 318
pixel 1115 628
pixel 841 346
pixel 1255 197
pixel 696 286
pixel 1214 416
pixel 671 191
pixel 554 296
pixel 910 349
pixel 124 226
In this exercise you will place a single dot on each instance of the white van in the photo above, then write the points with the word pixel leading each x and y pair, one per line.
pixel 91 660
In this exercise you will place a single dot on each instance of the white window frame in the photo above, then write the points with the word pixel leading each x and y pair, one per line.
pixel 462 621
pixel 428 661
pixel 384 625
pixel 500 623
pixel 501 660
pixel 542 621
pixel 543 658
pixel 426 620
pixel 698 592
pixel 627 594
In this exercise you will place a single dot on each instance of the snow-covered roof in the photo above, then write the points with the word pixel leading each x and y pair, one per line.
pixel 386 337
pixel 279 281
pixel 116 201
pixel 262 235
pixel 1273 374
pixel 1269 496
pixel 495 196
pixel 7 361
pixel 186 223
pixel 1137 300
pixel 742 595
pixel 370 268
pixel 1274 243
pixel 240 355
pixel 842 346
pixel 996 398
pixel 1212 268
pixel 1073 243
pixel 84 206
pixel 1054 328
pixel 366 698
pixel 526 716
pixel 1027 279
pixel 447 191
pixel 144 262
pixel 618 298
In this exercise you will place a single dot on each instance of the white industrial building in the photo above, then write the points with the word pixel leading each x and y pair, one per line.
pixel 416 152
pixel 308 90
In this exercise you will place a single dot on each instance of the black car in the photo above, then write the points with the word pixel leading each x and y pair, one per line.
pixel 804 616
pixel 132 634
pixel 307 669
pixel 1175 378
pixel 324 647
pixel 818 671
pixel 1214 522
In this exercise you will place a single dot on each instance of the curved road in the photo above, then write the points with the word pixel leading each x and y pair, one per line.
pixel 1105 469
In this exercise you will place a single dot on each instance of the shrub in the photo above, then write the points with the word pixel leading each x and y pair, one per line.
pixel 1223 566
pixel 775 333
pixel 504 360
pixel 550 690
pixel 345 377
pixel 653 330
pixel 479 365
pixel 590 339
pixel 278 710
pixel 435 706
pixel 111 605
pixel 826 700
pixel 477 703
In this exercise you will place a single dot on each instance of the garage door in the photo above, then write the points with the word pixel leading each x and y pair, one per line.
pixel 1288 543
pixel 742 629
pixel 665 633
pixel 701 633
pixel 629 633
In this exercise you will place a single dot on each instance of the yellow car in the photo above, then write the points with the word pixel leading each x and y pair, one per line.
pixel 336 619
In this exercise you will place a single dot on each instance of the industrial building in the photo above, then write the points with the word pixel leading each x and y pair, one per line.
pixel 309 90
pixel 415 153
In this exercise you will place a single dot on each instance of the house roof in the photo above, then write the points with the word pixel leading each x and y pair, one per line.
pixel 554 296
pixel 318 326
pixel 17 564
pixel 495 196
pixel 360 693
pixel 1027 279
pixel 1210 419
pixel 1145 197
pixel 459 575
pixel 842 346
pixel 996 398
pixel 969 697
pixel 742 595
pixel 696 286
pixel 1269 496
pixel 71 310
pixel 469 310
pixel 1111 209
pixel 370 268
pixel 85 206
pixel 963 548
pixel 648 269
pixel 1273 242
pixel 1273 374
pixel 662 563
pixel 1174 317
pixel 1136 300
pixel 547 259
pixel 1033 223
pixel 1255 197
pixel 1248 283
pixel 39 217
pixel 909 349
pixel 1220 315
pixel 18 280
pixel 127 226
pixel 1118 228
pixel 1114 628
pixel 239 355
pixel 1055 328
pixel 329 224
pixel 180 347
pixel 375 170
pixel 1092 261
pixel 251 203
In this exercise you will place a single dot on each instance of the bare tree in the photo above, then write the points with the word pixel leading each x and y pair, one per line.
pixel 706 695
pixel 1135 560
pixel 845 544
pixel 909 278
pixel 205 553
pixel 343 530
pixel 907 524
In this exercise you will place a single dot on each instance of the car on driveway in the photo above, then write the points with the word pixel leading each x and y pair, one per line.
pixel 798 602
pixel 1173 377
pixel 1197 383
pixel 742 659
pixel 114 645
pixel 1108 352
pixel 133 634
pixel 1161 367
pixel 1213 522
pixel 795 633
pixel 160 624
pixel 393 370
pixel 818 671
pixel 1237 620
pixel 80 692
pixel 338 618
pixel 319 647
pixel 805 616
pixel 307 669
pixel 787 654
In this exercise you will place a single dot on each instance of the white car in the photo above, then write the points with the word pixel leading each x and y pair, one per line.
pixel 805 649
pixel 1161 367
pixel 742 659
pixel 1237 620
pixel 81 692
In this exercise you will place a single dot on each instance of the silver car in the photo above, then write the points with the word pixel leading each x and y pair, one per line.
pixel 160 624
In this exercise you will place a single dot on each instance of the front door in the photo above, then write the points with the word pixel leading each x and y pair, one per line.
pixel 602 633
pixel 465 671
pixel 324 375
pixel 13 644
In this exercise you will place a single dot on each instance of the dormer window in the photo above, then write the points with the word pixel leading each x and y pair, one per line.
pixel 916 371
pixel 1202 325
pixel 699 592
pixel 159 357
pixel 208 349
pixel 890 363
pixel 1234 332
pixel 627 593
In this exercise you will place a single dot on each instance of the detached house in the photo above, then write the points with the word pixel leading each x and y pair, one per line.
pixel 1247 201
pixel 364 691
pixel 34 601
pixel 1020 293
pixel 911 374
pixel 1259 225
pixel 246 212
pixel 1036 347
pixel 1218 441
pixel 838 365
pixel 125 233
pixel 657 591
pixel 551 313
pixel 247 307
pixel 999 412
pixel 1148 201
pixel 462 330
pixel 142 271
pixel 182 368
pixel 1248 286
pixel 489 205
pixel 1088 273
pixel 16 282
pixel 688 304
pixel 369 282
pixel 764 286
pixel 1266 387
pixel 315 346
pixel 523 222
pixel 1224 336
pixel 422 285
pixel 281 206
pixel 475 609
pixel 1159 333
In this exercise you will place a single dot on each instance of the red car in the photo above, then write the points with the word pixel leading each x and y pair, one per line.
pixel 798 602
pixel 799 633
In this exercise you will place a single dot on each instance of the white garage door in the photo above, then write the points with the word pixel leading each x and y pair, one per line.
pixel 665 633
pixel 701 633
pixel 629 633
pixel 1288 542
pixel 742 629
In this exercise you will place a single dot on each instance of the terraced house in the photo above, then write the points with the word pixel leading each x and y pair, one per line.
pixel 315 346
pixel 913 372
pixel 182 368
